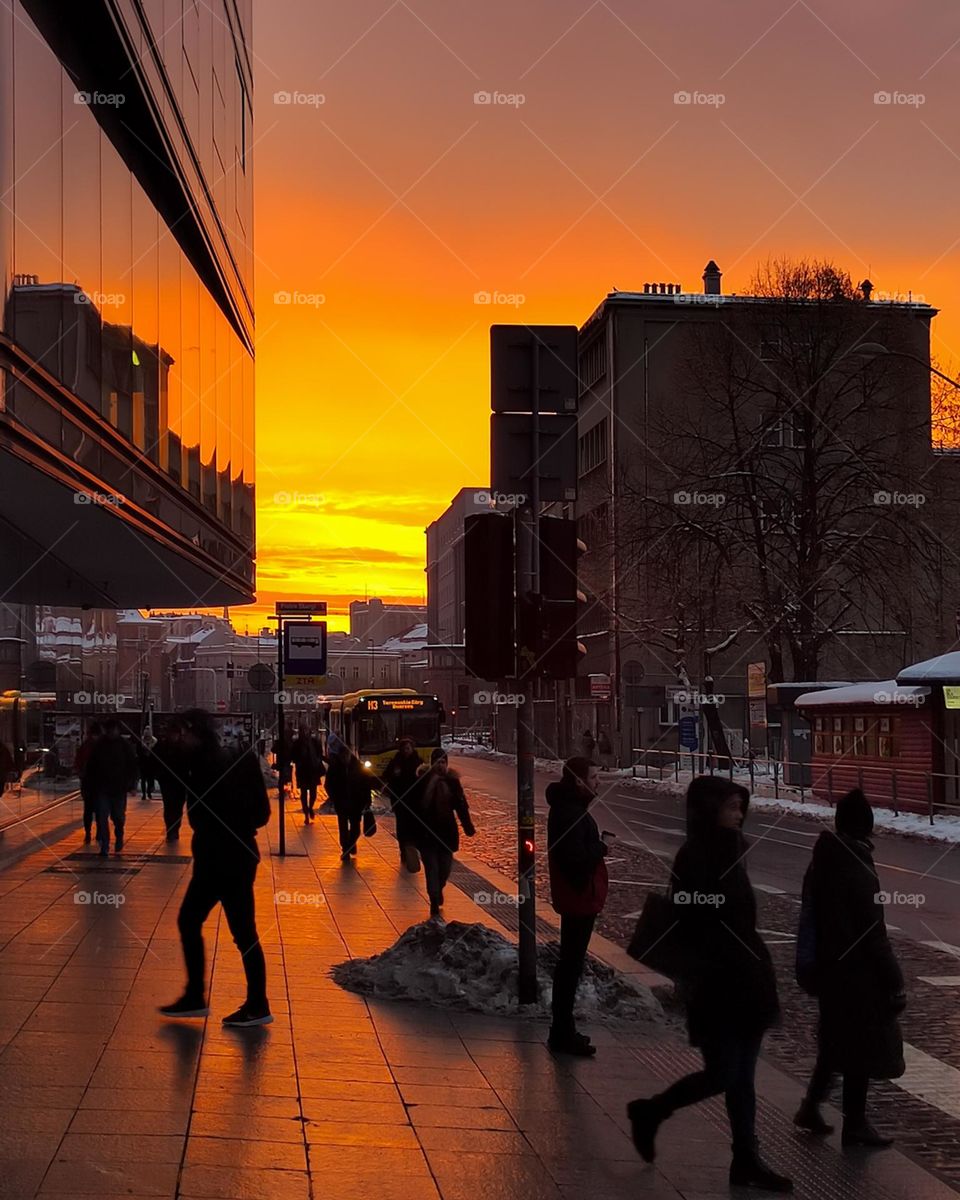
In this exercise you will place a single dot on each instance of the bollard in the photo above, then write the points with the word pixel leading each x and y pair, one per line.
pixel 930 796
pixel 776 780
pixel 893 789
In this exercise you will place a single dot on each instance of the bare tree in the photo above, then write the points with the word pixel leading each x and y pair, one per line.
pixel 783 506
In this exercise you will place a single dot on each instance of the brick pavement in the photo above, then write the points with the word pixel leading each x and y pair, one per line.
pixel 931 1022
pixel 341 1097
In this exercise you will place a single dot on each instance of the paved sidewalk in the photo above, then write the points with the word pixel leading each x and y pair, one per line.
pixel 340 1097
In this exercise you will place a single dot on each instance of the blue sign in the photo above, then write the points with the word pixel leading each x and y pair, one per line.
pixel 304 651
pixel 687 727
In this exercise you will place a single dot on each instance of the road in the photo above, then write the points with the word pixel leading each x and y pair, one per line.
pixel 909 869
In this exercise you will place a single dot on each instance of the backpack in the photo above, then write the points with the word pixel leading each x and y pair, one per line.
pixel 805 969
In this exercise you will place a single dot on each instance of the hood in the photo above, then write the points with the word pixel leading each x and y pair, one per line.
pixel 705 797
pixel 854 816
pixel 561 792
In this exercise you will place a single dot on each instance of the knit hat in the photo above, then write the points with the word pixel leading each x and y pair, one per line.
pixel 854 816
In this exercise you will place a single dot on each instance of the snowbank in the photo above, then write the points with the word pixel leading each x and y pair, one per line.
pixel 474 967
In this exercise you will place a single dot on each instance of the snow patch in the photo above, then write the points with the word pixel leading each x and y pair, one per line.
pixel 474 967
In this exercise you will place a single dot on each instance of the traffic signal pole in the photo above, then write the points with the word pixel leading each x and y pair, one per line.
pixel 527 551
pixel 282 742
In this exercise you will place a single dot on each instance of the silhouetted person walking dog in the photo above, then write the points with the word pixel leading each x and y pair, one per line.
pixel 226 805
pixel 729 989
pixel 854 975
pixel 578 889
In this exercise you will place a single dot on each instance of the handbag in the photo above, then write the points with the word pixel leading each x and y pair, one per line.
pixel 657 941
pixel 805 967
pixel 369 823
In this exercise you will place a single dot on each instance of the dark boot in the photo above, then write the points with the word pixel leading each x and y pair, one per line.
pixel 749 1170
pixel 646 1117
pixel 810 1119
pixel 862 1133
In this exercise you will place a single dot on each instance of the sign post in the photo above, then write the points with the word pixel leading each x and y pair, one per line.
pixel 306 644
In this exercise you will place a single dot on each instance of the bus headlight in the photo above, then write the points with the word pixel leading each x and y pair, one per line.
pixel 367 763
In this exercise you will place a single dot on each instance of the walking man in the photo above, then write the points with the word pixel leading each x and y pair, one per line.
pixel 171 766
pixel 111 772
pixel 438 803
pixel 86 792
pixel 308 759
pixel 578 889
pixel 226 804
pixel 349 786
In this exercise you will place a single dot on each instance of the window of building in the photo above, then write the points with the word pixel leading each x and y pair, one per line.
pixel 771 343
pixel 592 447
pixel 593 363
pixel 781 431
pixel 667 714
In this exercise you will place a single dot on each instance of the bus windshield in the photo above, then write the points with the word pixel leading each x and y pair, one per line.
pixel 381 731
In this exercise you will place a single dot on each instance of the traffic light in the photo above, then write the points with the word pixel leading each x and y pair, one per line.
pixel 488 596
pixel 548 619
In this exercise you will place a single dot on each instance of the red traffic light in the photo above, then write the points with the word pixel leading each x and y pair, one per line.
pixel 528 845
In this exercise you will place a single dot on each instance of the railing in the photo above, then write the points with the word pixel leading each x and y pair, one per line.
pixel 22 802
pixel 767 773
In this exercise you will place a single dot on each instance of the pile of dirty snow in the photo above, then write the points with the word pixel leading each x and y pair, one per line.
pixel 474 967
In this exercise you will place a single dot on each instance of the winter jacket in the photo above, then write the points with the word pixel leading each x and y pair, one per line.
pixel 307 757
pixel 731 986
pixel 575 852
pixel 170 760
pixel 349 785
pixel 859 982
pixel 80 766
pixel 399 776
pixel 226 802
pixel 111 769
pixel 437 803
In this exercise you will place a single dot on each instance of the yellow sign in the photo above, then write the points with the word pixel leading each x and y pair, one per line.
pixel 951 696
pixel 757 681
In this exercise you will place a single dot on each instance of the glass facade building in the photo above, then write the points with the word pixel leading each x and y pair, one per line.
pixel 126 348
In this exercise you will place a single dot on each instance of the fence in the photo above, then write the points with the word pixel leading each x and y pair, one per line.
pixel 886 783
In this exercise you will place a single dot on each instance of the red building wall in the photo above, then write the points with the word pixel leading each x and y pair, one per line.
pixel 888 750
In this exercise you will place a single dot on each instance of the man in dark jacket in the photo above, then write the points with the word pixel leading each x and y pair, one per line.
pixel 86 792
pixel 578 889
pixel 730 990
pixel 226 805
pixel 437 804
pixel 111 772
pixel 170 757
pixel 399 777
pixel 349 786
pixel 858 981
pixel 307 756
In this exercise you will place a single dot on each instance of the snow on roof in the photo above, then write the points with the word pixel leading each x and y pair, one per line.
pixel 415 638
pixel 879 691
pixel 945 668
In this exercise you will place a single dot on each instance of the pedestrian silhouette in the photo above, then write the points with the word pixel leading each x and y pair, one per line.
pixel 845 959
pixel 728 983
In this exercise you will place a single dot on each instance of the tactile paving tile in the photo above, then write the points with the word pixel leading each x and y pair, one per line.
pixel 824 1173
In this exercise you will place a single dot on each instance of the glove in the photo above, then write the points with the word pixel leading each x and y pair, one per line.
pixel 469 830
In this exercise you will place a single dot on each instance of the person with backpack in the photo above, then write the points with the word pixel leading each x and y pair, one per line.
pixel 398 778
pixel 111 772
pixel 226 804
pixel 307 756
pixel 578 890
pixel 439 806
pixel 729 988
pixel 845 959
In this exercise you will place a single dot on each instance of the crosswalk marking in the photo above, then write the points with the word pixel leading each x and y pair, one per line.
pixel 931 1081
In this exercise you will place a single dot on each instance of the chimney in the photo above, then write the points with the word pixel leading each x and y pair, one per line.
pixel 711 279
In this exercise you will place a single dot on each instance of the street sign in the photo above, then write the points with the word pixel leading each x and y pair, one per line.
pixel 687 729
pixel 304 652
pixel 301 608
pixel 261 677
pixel 600 687
pixel 511 354
pixel 512 461
pixel 757 680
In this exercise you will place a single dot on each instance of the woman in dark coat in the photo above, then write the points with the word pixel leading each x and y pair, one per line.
pixel 856 977
pixel 439 803
pixel 730 989
pixel 399 777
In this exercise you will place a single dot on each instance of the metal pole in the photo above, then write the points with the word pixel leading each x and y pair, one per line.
pixel 281 740
pixel 527 550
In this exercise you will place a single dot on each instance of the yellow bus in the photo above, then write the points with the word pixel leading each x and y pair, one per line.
pixel 373 721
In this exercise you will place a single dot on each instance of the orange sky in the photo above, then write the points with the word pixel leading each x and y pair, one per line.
pixel 384 208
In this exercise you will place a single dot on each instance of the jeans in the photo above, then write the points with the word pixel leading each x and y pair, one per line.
pixel 575 933
pixel 855 1088
pixel 437 864
pixel 228 882
pixel 729 1066
pixel 174 800
pixel 308 798
pixel 350 825
pixel 89 811
pixel 148 781
pixel 110 807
